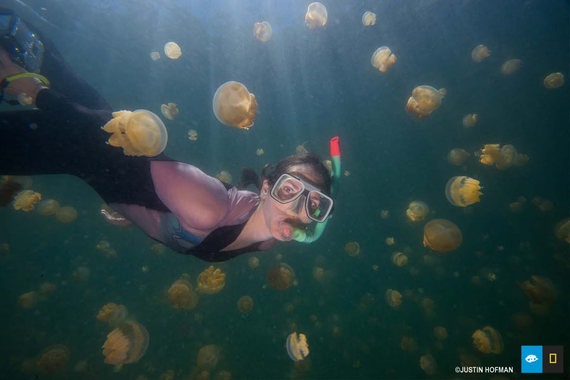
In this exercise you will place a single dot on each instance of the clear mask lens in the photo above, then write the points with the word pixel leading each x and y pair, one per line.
pixel 288 188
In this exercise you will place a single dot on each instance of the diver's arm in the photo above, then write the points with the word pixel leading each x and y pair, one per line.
pixel 199 201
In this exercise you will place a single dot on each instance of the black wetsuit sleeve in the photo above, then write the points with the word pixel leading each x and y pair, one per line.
pixel 65 111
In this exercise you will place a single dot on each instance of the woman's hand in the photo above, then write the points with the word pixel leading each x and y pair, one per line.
pixel 28 86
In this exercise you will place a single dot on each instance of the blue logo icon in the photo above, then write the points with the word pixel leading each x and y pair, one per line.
pixel 531 359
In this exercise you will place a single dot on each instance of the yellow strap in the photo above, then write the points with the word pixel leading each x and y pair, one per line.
pixel 40 77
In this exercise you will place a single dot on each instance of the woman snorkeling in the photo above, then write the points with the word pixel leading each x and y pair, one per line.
pixel 172 202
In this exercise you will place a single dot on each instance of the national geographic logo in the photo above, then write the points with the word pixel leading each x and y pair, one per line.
pixel 542 359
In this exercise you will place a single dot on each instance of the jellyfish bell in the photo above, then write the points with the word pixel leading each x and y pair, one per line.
pixel 457 156
pixel 253 262
pixel 316 16
pixel 383 59
pixel 28 300
pixel 211 280
pixel 399 259
pixel 139 133
pixel 490 154
pixel 234 105
pixel 393 298
pixel 245 304
pixel 281 276
pixel 26 200
pixel 169 111
pixel 507 157
pixel 112 314
pixel 417 211
pixel 66 214
pixel 562 230
pixel 192 135
pixel 428 364
pixel 462 191
pixel 53 359
pixel 47 207
pixel 479 53
pixel 554 80
pixel 154 55
pixel 125 344
pixel 352 248
pixel 488 340
pixel 262 31
pixel 368 18
pixel 440 332
pixel 511 66
pixel 208 357
pixel 172 50
pixel 424 100
pixel 442 235
pixel 297 346
pixel 181 296
pixel 470 120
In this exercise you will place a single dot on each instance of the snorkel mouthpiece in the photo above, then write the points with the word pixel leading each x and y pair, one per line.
pixel 286 231
pixel 304 236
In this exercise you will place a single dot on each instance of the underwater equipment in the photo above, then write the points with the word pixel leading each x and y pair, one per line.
pixel 22 44
pixel 307 236
pixel 289 188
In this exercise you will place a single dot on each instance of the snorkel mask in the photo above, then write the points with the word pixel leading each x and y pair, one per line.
pixel 23 45
pixel 313 232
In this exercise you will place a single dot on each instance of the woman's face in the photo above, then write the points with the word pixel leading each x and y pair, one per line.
pixel 282 218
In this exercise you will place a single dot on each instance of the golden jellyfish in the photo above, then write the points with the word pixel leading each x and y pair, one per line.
pixel 125 344
pixel 390 240
pixel 316 16
pixel 408 344
pixel 154 55
pixel 47 207
pixel 224 176
pixel 457 156
pixel 47 288
pixel 352 248
pixel 399 259
pixel 490 154
pixel 172 50
pixel 541 294
pixel 245 304
pixel 53 359
pixel 511 66
pixel 262 31
pixel 562 230
pixel 543 205
pixel 81 273
pixel 440 332
pixel 28 300
pixel 253 262
pixel 384 214
pixel 139 133
pixel 417 211
pixel 517 205
pixel 424 100
pixel 507 157
pixel 208 357
pixel 393 298
pixel 66 214
pixel 368 18
pixel 169 110
pixel 427 363
pixel 470 120
pixel 26 200
pixel 211 280
pixel 112 314
pixel 301 149
pixel 180 294
pixel 259 152
pixel 297 346
pixel 281 276
pixel 488 340
pixel 479 53
pixel 234 105
pixel 462 191
pixel 442 235
pixel 318 273
pixel 383 59
pixel 192 135
pixel 554 80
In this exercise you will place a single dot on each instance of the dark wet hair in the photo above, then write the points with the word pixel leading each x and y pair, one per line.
pixel 273 172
